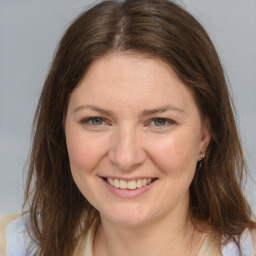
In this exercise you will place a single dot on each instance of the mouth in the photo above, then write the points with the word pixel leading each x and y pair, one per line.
pixel 129 184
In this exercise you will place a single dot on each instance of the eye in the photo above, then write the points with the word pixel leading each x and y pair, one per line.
pixel 96 121
pixel 93 121
pixel 161 122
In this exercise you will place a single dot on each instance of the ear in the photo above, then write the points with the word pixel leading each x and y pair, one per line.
pixel 205 138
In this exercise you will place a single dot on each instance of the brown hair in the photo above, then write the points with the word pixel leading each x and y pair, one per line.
pixel 58 212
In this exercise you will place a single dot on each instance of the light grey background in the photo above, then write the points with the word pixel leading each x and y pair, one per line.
pixel 29 32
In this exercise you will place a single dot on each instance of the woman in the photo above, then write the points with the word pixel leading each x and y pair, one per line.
pixel 135 150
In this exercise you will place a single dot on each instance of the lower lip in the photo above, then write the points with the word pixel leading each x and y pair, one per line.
pixel 129 193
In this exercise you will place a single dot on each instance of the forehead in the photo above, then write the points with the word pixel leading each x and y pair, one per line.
pixel 131 80
pixel 119 69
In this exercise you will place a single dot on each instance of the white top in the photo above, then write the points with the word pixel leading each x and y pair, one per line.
pixel 17 241
pixel 246 246
pixel 15 236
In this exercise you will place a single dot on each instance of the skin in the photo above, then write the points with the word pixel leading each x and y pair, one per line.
pixel 129 141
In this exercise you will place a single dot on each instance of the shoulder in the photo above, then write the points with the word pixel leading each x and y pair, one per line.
pixel 15 239
pixel 253 232
pixel 247 240
pixel 4 221
pixel 247 243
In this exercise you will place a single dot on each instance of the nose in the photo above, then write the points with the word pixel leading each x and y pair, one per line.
pixel 126 151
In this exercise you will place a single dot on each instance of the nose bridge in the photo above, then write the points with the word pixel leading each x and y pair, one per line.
pixel 126 151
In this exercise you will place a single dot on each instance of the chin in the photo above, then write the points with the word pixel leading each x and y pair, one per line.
pixel 127 217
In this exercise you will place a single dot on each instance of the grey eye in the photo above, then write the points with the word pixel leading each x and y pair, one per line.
pixel 159 121
pixel 96 121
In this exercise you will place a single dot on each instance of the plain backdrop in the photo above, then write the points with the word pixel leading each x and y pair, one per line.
pixel 29 33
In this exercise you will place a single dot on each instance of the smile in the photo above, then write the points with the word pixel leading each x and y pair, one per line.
pixel 129 188
pixel 131 184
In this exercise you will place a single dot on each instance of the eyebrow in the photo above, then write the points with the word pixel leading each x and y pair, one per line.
pixel 95 108
pixel 146 112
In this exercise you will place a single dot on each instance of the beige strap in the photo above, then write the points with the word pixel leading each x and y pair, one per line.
pixel 4 221
pixel 253 231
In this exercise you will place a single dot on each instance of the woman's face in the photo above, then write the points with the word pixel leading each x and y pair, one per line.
pixel 134 135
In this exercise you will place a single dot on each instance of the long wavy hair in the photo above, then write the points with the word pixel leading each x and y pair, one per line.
pixel 58 214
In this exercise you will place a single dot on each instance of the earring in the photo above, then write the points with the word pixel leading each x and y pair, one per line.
pixel 202 155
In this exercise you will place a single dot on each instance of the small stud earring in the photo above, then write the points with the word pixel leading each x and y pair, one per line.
pixel 202 155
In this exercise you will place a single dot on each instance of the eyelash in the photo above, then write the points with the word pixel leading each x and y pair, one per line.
pixel 88 121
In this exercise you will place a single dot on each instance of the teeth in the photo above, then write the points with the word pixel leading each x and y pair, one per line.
pixel 131 184
pixel 111 181
pixel 139 183
pixel 116 183
pixel 123 184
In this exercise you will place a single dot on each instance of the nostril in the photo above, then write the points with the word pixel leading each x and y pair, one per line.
pixel 126 160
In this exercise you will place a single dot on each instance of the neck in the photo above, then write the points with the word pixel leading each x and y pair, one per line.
pixel 172 235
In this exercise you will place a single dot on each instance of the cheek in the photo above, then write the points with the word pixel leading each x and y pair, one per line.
pixel 84 153
pixel 176 154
